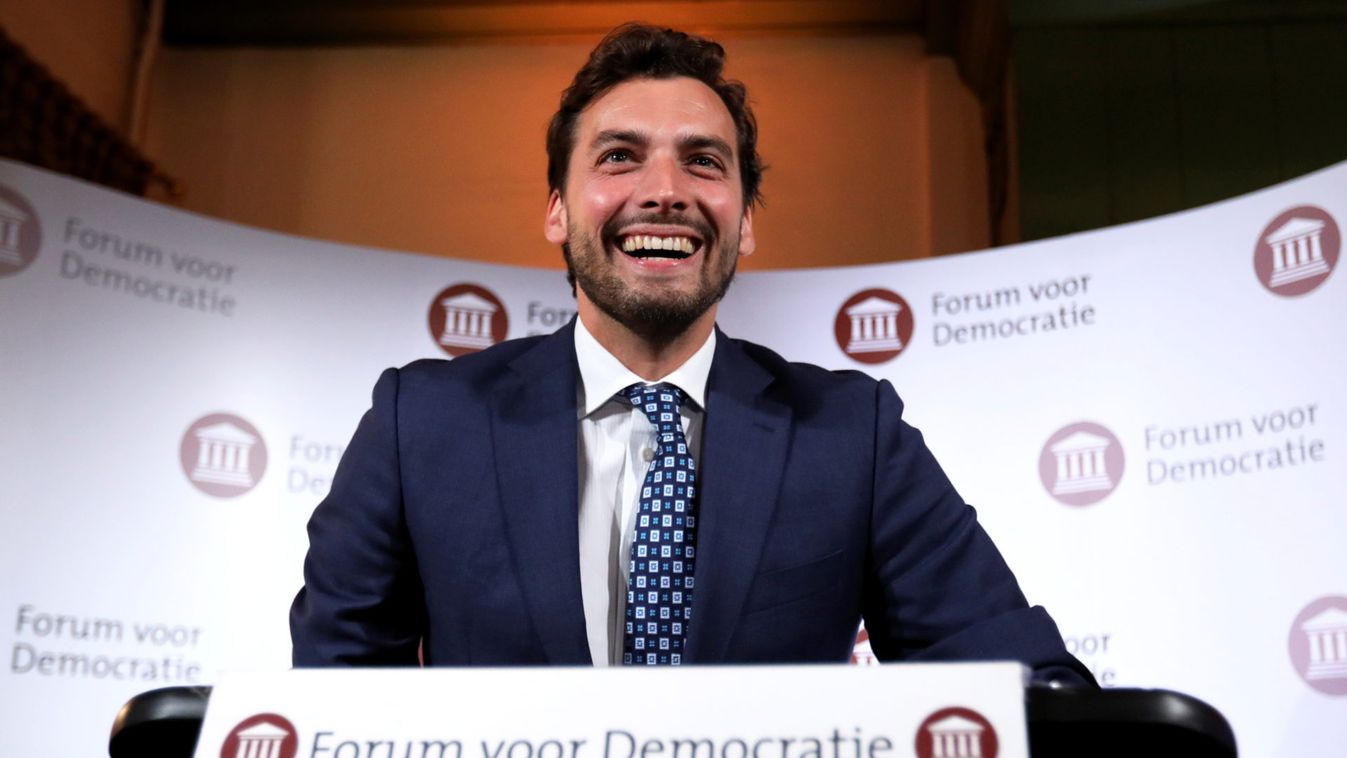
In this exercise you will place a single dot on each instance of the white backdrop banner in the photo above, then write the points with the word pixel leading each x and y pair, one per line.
pixel 1149 419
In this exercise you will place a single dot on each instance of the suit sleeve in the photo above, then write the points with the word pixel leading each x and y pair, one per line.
pixel 362 602
pixel 937 588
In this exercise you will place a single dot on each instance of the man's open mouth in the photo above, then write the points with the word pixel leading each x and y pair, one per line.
pixel 652 246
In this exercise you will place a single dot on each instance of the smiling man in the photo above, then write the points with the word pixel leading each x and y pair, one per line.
pixel 639 488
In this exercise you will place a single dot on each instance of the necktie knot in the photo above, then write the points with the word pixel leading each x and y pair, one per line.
pixel 660 403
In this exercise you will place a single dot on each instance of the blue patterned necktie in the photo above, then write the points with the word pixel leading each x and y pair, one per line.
pixel 663 548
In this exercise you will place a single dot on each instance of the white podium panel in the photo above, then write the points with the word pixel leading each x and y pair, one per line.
pixel 929 711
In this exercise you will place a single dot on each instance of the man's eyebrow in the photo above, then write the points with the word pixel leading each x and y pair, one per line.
pixel 610 136
pixel 707 142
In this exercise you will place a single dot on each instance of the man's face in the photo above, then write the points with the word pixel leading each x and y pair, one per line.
pixel 653 210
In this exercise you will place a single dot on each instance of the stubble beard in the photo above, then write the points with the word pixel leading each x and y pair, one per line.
pixel 658 317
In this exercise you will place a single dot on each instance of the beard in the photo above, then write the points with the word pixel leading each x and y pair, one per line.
pixel 656 316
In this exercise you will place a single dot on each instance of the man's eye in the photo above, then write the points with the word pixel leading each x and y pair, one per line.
pixel 705 161
pixel 616 156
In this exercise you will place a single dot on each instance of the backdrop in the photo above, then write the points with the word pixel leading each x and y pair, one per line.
pixel 1145 416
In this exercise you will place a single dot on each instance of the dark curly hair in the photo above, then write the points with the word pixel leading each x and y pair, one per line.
pixel 633 51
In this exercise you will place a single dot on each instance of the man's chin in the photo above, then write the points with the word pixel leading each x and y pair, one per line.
pixel 658 320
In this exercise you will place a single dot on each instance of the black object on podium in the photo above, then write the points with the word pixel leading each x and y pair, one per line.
pixel 1063 723
pixel 1124 723
pixel 163 722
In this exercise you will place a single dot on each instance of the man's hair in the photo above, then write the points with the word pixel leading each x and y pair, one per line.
pixel 634 51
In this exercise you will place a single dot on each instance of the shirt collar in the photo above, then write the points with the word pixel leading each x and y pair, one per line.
pixel 602 376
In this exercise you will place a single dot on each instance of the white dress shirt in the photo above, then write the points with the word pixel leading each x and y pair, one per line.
pixel 617 443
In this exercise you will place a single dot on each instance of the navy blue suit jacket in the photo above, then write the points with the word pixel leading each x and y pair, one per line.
pixel 452 523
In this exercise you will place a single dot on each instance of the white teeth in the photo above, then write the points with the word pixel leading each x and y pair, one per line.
pixel 649 242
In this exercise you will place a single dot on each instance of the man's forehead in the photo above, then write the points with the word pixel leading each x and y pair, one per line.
pixel 679 107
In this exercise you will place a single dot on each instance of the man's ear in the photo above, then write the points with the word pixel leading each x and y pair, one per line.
pixel 747 242
pixel 555 222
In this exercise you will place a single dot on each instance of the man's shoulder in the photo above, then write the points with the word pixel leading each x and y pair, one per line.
pixel 481 369
pixel 805 378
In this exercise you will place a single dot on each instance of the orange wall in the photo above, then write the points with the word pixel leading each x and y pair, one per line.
pixel 874 148
pixel 959 215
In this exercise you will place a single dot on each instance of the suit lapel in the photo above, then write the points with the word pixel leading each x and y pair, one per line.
pixel 534 434
pixel 743 457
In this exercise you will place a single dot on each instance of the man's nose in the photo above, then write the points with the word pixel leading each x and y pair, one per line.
pixel 663 187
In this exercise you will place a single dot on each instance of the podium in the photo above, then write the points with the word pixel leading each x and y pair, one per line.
pixel 1062 723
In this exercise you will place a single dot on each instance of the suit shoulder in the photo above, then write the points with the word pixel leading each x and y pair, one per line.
pixel 807 376
pixel 472 369
pixel 824 398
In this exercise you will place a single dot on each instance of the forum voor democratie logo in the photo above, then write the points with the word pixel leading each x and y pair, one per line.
pixel 465 318
pixel 223 455
pixel 266 735
pixel 1081 463
pixel 956 733
pixel 1318 644
pixel 20 232
pixel 1297 251
pixel 873 326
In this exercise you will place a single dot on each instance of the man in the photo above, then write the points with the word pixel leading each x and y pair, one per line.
pixel 639 488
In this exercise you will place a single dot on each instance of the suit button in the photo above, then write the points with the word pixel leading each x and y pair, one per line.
pixel 647 454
